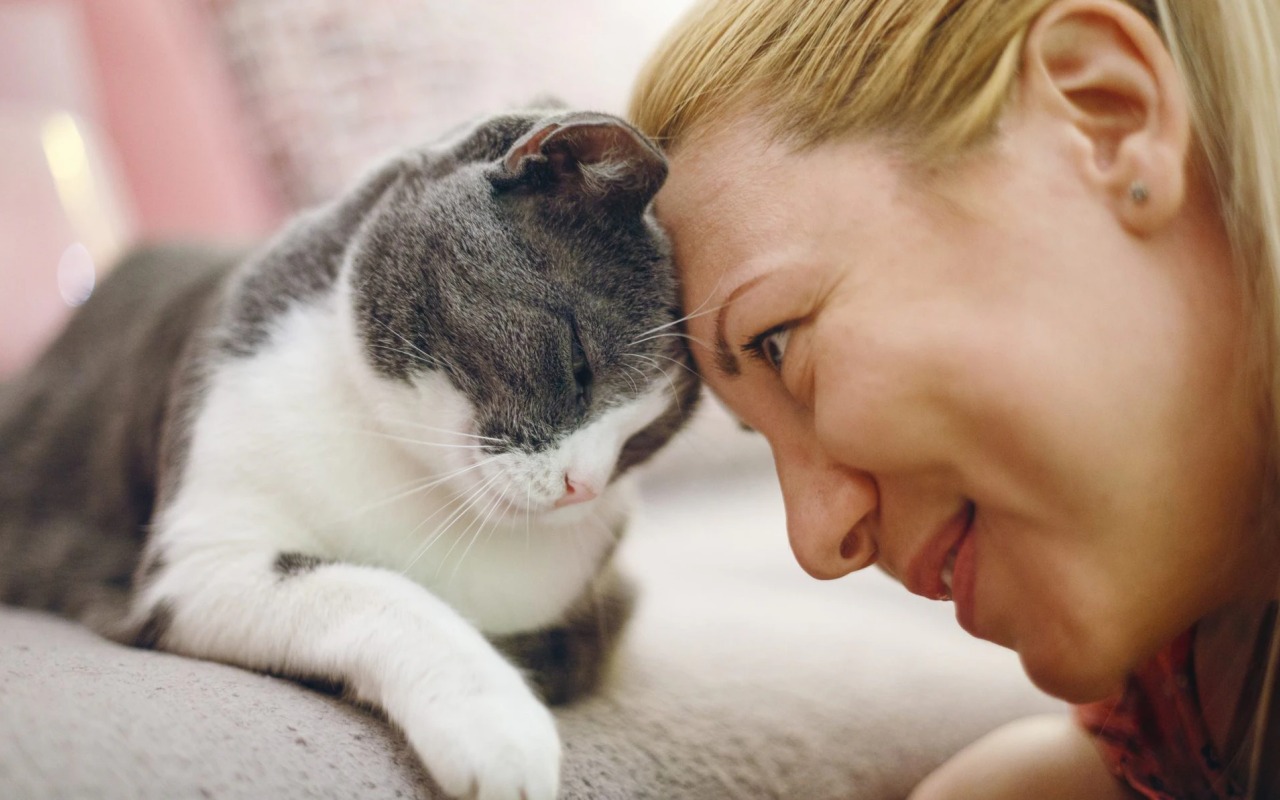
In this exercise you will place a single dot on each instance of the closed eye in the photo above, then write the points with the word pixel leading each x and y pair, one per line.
pixel 582 373
pixel 770 346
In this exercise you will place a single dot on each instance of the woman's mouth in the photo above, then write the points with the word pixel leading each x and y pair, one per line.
pixel 933 572
pixel 949 569
pixel 961 576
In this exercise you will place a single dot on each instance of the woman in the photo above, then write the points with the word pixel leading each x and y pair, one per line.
pixel 998 281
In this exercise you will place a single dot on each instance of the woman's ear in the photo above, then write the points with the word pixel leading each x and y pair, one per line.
pixel 1100 68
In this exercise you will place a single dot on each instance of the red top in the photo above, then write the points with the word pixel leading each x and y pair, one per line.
pixel 1153 735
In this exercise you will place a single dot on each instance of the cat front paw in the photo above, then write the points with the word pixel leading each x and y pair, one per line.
pixel 494 745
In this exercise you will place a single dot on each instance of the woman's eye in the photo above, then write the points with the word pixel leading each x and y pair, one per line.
pixel 770 346
pixel 774 347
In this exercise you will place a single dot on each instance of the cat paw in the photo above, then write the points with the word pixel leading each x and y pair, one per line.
pixel 497 745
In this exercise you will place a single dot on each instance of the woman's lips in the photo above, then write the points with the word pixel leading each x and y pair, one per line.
pixel 933 572
pixel 964 580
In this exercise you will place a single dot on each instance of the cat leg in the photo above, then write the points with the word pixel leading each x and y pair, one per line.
pixel 568 660
pixel 389 642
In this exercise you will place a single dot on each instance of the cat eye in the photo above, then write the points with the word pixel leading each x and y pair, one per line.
pixel 770 346
pixel 581 370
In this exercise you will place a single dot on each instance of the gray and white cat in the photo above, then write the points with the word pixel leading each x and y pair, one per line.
pixel 378 451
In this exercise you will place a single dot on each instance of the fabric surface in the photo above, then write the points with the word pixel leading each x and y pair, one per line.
pixel 740 677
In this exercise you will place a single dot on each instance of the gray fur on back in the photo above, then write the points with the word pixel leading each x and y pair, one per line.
pixel 80 433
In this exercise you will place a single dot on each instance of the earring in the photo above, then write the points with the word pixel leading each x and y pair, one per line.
pixel 1138 192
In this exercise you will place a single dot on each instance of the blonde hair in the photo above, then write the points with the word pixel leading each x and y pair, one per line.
pixel 932 78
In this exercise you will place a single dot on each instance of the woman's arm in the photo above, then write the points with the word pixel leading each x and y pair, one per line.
pixel 1047 757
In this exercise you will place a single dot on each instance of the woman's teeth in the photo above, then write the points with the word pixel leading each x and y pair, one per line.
pixel 948 570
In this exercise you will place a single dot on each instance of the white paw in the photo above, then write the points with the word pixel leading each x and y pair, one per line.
pixel 494 745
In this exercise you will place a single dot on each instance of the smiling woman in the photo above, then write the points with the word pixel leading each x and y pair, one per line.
pixel 997 283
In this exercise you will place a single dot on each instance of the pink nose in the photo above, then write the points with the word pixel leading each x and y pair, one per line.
pixel 575 491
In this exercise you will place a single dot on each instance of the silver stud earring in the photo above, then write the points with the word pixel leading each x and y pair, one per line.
pixel 1138 192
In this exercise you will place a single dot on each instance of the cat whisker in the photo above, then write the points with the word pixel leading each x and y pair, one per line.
pixel 423 426
pixel 416 355
pixel 414 347
pixel 677 362
pixel 472 500
pixel 411 488
pixel 634 386
pixel 405 439
pixel 471 540
pixel 422 549
pixel 672 335
pixel 493 507
pixel 528 506
pixel 429 361
pixel 697 312
pixel 464 504
pixel 670 383
pixel 477 522
pixel 431 540
pixel 653 363
pixel 700 311
pixel 506 501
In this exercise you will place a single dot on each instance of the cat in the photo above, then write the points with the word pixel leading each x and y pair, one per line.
pixel 381 454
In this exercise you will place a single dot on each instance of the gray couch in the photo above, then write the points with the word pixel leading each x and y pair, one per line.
pixel 739 677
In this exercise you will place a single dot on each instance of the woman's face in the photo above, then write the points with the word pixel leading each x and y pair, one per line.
pixel 983 380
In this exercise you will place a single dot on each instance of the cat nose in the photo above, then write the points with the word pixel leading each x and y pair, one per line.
pixel 575 491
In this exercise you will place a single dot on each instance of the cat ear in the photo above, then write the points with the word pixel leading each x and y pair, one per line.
pixel 595 155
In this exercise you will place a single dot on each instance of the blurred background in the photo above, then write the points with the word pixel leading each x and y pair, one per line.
pixel 123 120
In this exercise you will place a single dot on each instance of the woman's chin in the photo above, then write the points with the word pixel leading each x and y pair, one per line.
pixel 1072 676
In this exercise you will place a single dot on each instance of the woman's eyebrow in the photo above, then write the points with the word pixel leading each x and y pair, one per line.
pixel 726 361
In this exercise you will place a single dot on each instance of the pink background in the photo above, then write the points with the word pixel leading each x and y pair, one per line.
pixel 165 149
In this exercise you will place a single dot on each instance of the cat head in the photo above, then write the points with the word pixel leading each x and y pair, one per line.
pixel 517 306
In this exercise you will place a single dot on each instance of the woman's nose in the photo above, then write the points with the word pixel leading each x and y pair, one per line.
pixel 831 512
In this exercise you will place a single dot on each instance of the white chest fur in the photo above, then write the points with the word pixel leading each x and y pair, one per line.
pixel 299 444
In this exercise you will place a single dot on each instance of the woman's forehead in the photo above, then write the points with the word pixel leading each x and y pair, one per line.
pixel 737 205
pixel 724 206
pixel 716 177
